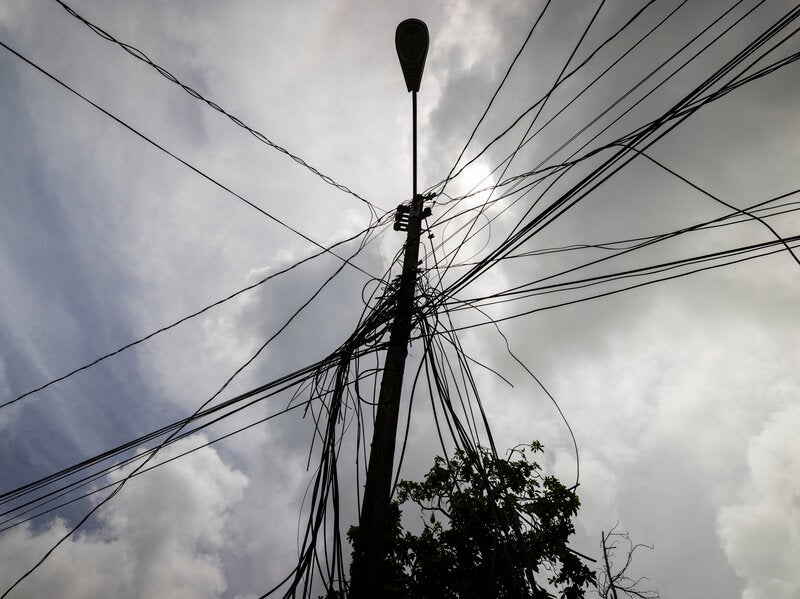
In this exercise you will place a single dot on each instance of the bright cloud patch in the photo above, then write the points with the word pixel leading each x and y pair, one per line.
pixel 160 537
pixel 761 533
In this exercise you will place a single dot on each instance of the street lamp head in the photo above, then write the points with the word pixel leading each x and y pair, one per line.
pixel 411 40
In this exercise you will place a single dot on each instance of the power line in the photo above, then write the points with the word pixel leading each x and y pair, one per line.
pixel 180 321
pixel 585 88
pixel 620 245
pixel 328 249
pixel 88 480
pixel 558 81
pixel 176 157
pixel 447 371
pixel 736 83
pixel 140 55
pixel 648 135
pixel 539 103
pixel 720 201
pixel 492 99
pixel 767 244
pixel 530 290
pixel 172 435
pixel 621 98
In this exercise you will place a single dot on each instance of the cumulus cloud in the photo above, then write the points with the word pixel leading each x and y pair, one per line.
pixel 760 533
pixel 161 536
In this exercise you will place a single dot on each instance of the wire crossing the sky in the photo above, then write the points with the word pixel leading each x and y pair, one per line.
pixel 140 55
pixel 335 394
pixel 178 158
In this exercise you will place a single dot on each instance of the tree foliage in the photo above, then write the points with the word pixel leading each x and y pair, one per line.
pixel 492 527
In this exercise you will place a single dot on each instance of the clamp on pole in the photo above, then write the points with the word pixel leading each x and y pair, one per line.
pixel 404 213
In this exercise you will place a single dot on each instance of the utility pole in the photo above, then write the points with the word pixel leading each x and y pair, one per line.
pixel 369 563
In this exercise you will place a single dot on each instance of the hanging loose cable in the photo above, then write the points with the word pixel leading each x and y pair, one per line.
pixel 172 435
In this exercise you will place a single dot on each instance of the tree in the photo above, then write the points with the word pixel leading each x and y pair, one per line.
pixel 493 527
pixel 614 585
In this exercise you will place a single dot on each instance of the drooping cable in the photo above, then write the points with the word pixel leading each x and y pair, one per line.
pixel 172 435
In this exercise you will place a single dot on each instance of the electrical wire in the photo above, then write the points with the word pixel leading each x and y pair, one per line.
pixel 172 435
pixel 182 320
pixel 335 400
pixel 141 56
pixel 191 167
pixel 597 176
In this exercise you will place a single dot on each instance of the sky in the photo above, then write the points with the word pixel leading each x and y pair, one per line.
pixel 682 395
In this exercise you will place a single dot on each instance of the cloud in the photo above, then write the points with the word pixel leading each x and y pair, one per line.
pixel 4 392
pixel 10 14
pixel 161 536
pixel 664 395
pixel 760 533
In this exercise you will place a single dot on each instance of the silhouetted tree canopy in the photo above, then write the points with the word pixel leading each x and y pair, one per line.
pixel 492 527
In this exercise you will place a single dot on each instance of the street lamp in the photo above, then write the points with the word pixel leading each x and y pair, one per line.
pixel 411 40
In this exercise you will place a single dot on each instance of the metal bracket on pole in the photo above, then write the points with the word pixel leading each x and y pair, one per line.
pixel 404 212
pixel 401 217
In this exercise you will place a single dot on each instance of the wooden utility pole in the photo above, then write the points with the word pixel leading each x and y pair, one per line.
pixel 369 561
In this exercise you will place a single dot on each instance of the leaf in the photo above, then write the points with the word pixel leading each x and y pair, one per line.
pixel 503 523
